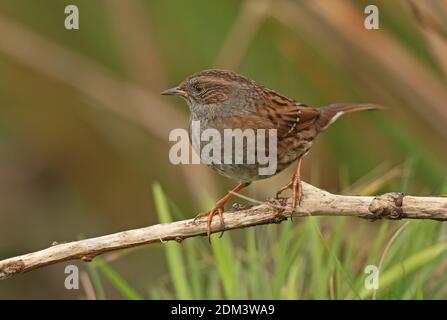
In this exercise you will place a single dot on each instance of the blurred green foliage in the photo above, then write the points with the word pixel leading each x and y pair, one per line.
pixel 298 261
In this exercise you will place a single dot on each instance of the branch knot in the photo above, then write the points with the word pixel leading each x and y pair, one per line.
pixel 388 206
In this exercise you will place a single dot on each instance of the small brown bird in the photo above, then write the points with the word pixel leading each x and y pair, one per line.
pixel 222 99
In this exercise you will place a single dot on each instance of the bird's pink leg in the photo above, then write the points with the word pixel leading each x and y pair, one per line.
pixel 295 185
pixel 219 208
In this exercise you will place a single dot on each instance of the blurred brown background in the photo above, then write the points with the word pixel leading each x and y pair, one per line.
pixel 84 132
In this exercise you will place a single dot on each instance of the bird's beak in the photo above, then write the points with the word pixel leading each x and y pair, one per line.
pixel 174 92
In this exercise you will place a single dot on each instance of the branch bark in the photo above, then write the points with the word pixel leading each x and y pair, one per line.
pixel 316 202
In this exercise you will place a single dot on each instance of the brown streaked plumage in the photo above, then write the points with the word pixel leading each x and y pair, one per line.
pixel 222 99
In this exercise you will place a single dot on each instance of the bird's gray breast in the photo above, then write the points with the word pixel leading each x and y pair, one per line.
pixel 230 151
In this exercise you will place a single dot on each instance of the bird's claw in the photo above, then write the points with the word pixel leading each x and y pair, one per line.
pixel 217 210
pixel 297 191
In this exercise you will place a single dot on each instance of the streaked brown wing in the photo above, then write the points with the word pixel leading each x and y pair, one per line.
pixel 286 115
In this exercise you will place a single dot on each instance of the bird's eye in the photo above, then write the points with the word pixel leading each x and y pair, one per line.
pixel 198 89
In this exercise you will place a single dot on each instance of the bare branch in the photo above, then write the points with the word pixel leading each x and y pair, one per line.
pixel 316 202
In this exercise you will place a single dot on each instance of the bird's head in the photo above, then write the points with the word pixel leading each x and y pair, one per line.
pixel 214 92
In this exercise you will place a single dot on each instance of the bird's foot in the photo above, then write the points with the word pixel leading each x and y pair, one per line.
pixel 217 210
pixel 297 191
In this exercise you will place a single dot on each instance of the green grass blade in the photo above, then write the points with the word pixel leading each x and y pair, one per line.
pixel 173 252
pixel 119 283
pixel 410 264
pixel 96 280
pixel 254 266
pixel 195 270
pixel 227 264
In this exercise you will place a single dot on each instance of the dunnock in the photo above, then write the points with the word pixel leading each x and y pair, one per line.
pixel 222 99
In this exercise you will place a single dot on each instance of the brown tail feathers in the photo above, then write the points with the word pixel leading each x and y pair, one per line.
pixel 330 113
